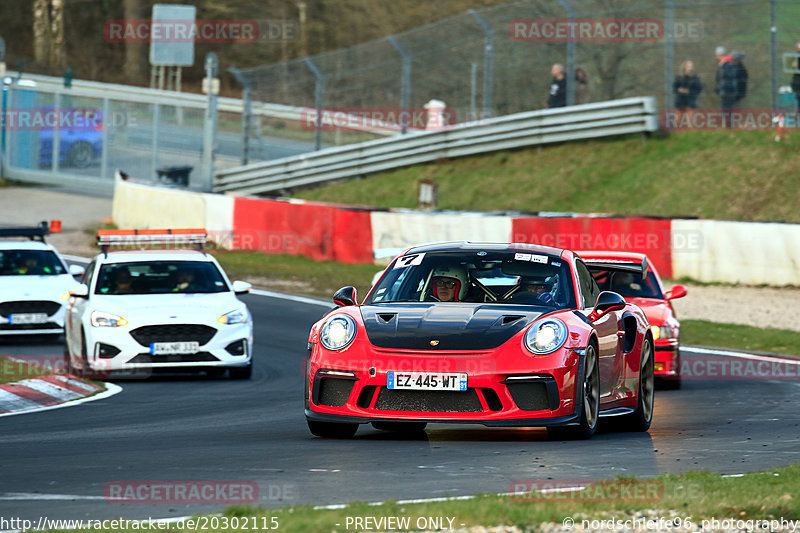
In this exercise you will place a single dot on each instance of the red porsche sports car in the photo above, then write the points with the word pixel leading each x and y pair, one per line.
pixel 649 294
pixel 495 334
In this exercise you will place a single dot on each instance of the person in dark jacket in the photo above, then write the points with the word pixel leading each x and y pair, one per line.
pixel 796 76
pixel 558 87
pixel 687 87
pixel 741 75
pixel 727 86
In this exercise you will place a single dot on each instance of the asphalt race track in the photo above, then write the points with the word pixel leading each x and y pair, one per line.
pixel 56 463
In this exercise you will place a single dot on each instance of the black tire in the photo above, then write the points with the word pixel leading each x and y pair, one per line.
pixel 589 402
pixel 401 427
pixel 241 372
pixel 80 155
pixel 640 419
pixel 332 430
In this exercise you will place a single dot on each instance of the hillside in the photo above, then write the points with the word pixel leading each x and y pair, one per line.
pixel 723 175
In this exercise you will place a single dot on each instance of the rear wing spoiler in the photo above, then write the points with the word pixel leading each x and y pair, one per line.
pixel 618 266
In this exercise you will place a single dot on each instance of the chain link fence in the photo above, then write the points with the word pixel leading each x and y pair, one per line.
pixel 497 61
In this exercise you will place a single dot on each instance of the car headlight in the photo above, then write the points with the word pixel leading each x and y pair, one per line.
pixel 662 332
pixel 337 332
pixel 237 316
pixel 101 319
pixel 546 336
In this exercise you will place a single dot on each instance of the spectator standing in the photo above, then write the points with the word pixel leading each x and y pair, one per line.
pixel 687 87
pixel 727 85
pixel 558 87
pixel 741 75
pixel 796 76
pixel 583 87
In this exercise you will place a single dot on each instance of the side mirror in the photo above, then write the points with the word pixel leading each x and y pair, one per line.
pixel 607 301
pixel 76 270
pixel 345 296
pixel 241 287
pixel 678 291
pixel 79 291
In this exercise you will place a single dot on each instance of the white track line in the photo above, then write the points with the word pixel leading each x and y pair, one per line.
pixel 300 299
pixel 111 390
pixel 744 355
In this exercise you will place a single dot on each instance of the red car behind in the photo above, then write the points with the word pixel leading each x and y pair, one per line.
pixel 649 294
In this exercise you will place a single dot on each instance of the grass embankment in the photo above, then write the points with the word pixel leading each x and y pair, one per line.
pixel 722 175
pixel 12 369
pixel 748 338
pixel 692 496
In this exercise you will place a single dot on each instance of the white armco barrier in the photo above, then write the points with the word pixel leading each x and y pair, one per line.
pixel 142 206
pixel 753 253
pixel 393 232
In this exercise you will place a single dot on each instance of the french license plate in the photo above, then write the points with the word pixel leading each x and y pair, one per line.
pixel 162 348
pixel 27 318
pixel 426 381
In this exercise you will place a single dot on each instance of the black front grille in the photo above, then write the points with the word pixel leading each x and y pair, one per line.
pixel 365 397
pixel 492 400
pixel 530 396
pixel 333 392
pixel 29 327
pixel 431 401
pixel 199 357
pixel 173 333
pixel 29 306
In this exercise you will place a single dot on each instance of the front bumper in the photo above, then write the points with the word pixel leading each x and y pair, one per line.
pixel 128 348
pixel 53 324
pixel 522 391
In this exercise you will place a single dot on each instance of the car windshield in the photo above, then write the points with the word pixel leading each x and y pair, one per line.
pixel 160 277
pixel 477 276
pixel 30 263
pixel 628 285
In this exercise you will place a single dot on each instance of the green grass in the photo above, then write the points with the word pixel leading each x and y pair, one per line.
pixel 12 370
pixel 697 495
pixel 706 333
pixel 722 175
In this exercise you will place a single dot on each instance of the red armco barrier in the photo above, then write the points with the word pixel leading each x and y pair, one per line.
pixel 643 235
pixel 318 231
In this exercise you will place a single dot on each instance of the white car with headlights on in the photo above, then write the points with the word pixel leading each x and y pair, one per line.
pixel 34 282
pixel 137 311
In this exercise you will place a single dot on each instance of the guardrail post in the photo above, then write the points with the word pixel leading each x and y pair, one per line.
pixel 570 73
pixel 669 52
pixel 319 92
pixel 55 146
pixel 773 52
pixel 210 123
pixel 104 151
pixel 405 76
pixel 488 56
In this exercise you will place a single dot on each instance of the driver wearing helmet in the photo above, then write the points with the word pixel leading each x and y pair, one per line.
pixel 541 287
pixel 449 284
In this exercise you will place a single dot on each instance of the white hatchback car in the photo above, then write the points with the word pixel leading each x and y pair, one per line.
pixel 137 311
pixel 34 283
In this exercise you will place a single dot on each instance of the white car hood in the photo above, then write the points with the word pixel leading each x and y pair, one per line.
pixel 34 287
pixel 166 308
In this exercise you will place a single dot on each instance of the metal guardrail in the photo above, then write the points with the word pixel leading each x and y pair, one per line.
pixel 133 93
pixel 603 119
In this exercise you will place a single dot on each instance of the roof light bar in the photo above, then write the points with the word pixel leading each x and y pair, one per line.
pixel 149 237
pixel 33 232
